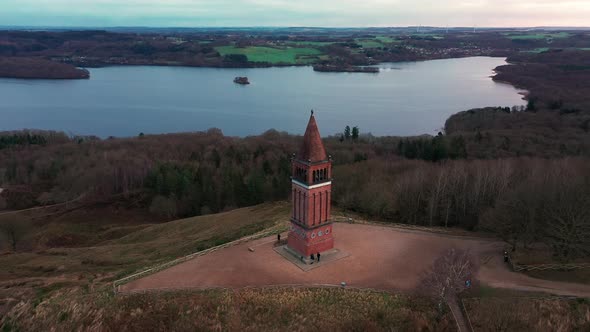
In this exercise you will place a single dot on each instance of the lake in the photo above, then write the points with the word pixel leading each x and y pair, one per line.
pixel 408 98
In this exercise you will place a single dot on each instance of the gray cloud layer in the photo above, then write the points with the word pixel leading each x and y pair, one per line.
pixel 295 12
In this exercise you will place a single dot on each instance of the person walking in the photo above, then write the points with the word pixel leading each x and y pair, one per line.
pixel 318 255
pixel 279 238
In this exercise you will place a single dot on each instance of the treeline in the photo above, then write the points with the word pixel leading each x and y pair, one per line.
pixel 525 201
pixel 499 132
pixel 179 174
pixel 203 172
pixel 31 137
pixel 433 149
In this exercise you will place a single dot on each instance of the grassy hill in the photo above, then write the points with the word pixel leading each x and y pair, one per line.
pixel 63 278
pixel 67 284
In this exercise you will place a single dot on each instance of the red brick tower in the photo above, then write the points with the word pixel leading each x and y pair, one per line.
pixel 311 228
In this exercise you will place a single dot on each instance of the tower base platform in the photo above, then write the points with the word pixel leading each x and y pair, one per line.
pixel 305 263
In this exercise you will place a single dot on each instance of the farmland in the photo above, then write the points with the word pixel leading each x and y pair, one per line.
pixel 538 36
pixel 273 55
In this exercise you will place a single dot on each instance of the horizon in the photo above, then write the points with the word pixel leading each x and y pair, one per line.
pixel 304 13
pixel 70 27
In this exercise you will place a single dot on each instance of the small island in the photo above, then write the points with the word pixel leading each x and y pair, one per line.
pixel 345 69
pixel 241 80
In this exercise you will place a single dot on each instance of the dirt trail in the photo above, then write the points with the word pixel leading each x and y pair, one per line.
pixel 380 258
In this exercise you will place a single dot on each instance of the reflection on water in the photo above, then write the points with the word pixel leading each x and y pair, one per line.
pixel 408 98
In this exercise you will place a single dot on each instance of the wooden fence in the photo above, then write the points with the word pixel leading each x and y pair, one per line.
pixel 546 267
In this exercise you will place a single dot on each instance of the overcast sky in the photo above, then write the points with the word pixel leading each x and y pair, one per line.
pixel 336 13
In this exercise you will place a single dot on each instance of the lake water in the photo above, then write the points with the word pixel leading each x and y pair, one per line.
pixel 409 98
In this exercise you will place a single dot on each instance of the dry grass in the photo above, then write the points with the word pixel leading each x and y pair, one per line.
pixel 241 310
pixel 106 251
pixel 135 246
pixel 528 314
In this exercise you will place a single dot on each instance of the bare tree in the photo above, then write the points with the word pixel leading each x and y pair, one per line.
pixel 449 275
pixel 515 217
pixel 567 218
pixel 14 228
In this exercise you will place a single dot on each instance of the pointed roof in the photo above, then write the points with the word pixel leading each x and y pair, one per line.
pixel 312 149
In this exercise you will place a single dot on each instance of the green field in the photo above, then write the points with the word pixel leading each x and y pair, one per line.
pixel 274 55
pixel 310 43
pixel 386 40
pixel 537 50
pixel 538 36
pixel 369 43
pixel 431 35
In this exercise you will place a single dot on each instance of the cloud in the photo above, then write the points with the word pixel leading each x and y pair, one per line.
pixel 295 12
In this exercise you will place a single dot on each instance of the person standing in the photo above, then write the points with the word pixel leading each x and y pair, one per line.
pixel 279 238
pixel 318 257
pixel 312 258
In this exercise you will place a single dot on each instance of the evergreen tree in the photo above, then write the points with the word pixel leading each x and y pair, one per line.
pixel 355 133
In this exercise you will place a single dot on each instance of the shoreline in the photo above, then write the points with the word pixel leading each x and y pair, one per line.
pixel 250 66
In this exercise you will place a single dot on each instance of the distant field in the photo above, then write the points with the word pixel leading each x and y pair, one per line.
pixel 310 43
pixel 538 50
pixel 378 41
pixel 386 40
pixel 538 36
pixel 289 55
pixel 369 43
pixel 432 35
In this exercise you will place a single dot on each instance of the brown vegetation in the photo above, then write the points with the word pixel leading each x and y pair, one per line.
pixel 13 67
pixel 516 198
pixel 557 79
pixel 193 174
pixel 240 310
pixel 528 314
pixel 450 275
pixel 84 249
pixel 13 228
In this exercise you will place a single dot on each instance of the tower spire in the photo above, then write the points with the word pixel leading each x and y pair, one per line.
pixel 312 149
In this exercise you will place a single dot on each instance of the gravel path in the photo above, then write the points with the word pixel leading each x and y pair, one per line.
pixel 380 258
